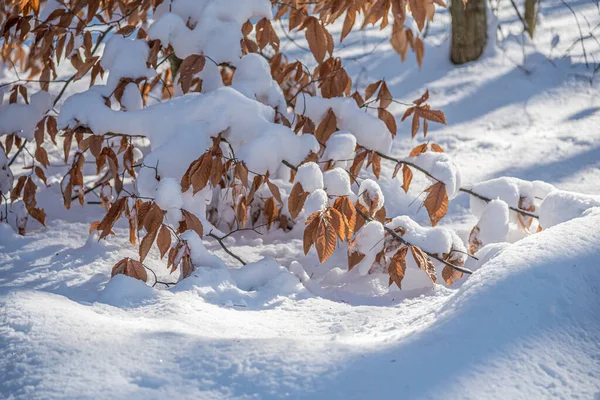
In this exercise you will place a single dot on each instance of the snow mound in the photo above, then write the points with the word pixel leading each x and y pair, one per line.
pixel 561 206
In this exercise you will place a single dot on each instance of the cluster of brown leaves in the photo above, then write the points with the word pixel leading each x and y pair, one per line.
pixel 26 186
pixel 209 167
pixel 425 112
pixel 149 216
pixel 397 264
pixel 325 12
pixel 324 228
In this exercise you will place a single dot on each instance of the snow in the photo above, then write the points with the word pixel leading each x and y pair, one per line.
pixel 336 182
pixel 216 26
pixel 369 131
pixel 169 198
pixel 436 240
pixel 485 254
pixel 183 126
pixel 340 147
pixel 510 190
pixel 368 241
pixel 6 175
pixel 317 200
pixel 440 166
pixel 370 195
pixel 253 78
pixel 561 206
pixel 132 98
pixel 300 344
pixel 125 58
pixel 310 177
pixel 494 222
pixel 22 119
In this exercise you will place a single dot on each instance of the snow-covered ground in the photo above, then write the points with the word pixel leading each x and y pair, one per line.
pixel 525 325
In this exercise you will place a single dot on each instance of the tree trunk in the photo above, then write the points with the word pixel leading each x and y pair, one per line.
pixel 469 30
pixel 530 16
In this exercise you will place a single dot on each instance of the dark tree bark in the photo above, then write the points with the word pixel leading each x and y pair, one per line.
pixel 469 30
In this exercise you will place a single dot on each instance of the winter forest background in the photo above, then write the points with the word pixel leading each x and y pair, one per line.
pixel 248 199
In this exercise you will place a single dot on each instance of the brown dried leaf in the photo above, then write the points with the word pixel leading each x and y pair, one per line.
pixel 16 192
pixel 316 38
pixel 38 214
pixel 189 67
pixel 338 223
pixel 132 268
pixel 422 99
pixel 148 240
pixel 389 120
pixel 271 211
pixel 407 176
pixel 415 125
pixel 408 113
pixel 354 258
pixel 431 115
pixel 424 262
pixel 348 22
pixel 436 148
pixel 436 202
pixel 274 191
pixel 241 172
pixel 310 231
pixel 385 96
pixel 296 200
pixel 450 275
pixel 326 240
pixel 192 222
pixel 371 89
pixel 242 212
pixel 397 267
pixel 200 176
pixel 420 149
pixel 327 127
pixel 164 240
pixel 111 217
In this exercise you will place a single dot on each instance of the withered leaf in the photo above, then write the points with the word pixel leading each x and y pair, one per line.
pixel 436 202
pixel 189 67
pixel 296 200
pixel 407 176
pixel 111 217
pixel 193 222
pixel 327 127
pixel 422 148
pixel 316 38
pixel 450 275
pixel 354 258
pixel 424 262
pixel 310 231
pixel 397 267
pixel 164 240
pixel 132 268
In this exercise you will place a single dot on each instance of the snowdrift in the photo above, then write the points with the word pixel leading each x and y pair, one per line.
pixel 523 326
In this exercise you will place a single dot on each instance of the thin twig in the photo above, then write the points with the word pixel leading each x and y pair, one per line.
pixel 12 160
pixel 465 190
pixel 220 240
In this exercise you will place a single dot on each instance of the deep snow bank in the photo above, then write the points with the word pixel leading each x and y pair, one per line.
pixel 523 326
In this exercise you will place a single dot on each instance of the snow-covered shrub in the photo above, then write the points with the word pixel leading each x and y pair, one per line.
pixel 199 127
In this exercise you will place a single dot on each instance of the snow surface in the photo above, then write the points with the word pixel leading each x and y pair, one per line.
pixel 523 326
